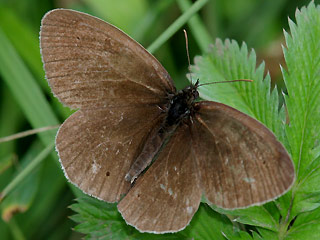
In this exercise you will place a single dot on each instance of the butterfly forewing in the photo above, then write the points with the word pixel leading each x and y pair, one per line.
pixel 91 64
pixel 166 197
pixel 120 89
pixel 241 162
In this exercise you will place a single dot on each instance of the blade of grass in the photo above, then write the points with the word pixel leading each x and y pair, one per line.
pixel 16 231
pixel 51 187
pixel 149 19
pixel 36 161
pixel 27 93
pixel 21 198
pixel 10 123
pixel 174 27
pixel 16 29
pixel 198 30
pixel 25 89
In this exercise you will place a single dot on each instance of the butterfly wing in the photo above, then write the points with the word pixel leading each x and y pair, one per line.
pixel 92 64
pixel 118 86
pixel 166 197
pixel 96 148
pixel 241 162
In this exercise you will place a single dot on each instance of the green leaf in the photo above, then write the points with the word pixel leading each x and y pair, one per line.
pixel 302 79
pixel 133 10
pixel 306 226
pixel 256 236
pixel 284 203
pixel 16 29
pixel 241 235
pixel 207 223
pixel 20 199
pixel 255 216
pixel 25 89
pixel 6 162
pixel 10 123
pixel 98 219
pixel 267 234
pixel 145 25
pixel 25 172
pixel 307 192
pixel 50 194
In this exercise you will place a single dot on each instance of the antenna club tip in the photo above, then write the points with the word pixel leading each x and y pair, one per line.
pixel 246 80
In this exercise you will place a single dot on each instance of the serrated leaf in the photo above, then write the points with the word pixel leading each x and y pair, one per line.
pixel 256 236
pixel 207 223
pixel 101 220
pixel 302 79
pixel 307 193
pixel 227 61
pixel 306 226
pixel 98 219
pixel 241 235
pixel 267 234
pixel 284 203
pixel 255 216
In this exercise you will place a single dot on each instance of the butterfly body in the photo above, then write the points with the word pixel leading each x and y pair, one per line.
pixel 127 107
pixel 180 106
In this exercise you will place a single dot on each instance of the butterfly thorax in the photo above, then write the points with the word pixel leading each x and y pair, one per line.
pixel 181 105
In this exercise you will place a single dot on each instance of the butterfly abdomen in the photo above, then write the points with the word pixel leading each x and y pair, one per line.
pixel 151 147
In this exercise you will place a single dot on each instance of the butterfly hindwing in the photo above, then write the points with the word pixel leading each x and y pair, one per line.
pixel 241 162
pixel 166 197
pixel 96 148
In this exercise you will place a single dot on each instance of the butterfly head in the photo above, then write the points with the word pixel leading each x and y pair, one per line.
pixel 191 92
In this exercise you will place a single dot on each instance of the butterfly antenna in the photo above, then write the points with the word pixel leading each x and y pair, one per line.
pixel 237 80
pixel 187 48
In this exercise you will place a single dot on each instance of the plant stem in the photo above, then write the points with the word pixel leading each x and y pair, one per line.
pixel 284 224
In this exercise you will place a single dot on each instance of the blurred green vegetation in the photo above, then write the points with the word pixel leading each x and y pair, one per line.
pixel 38 207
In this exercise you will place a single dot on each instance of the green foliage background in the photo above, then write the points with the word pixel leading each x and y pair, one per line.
pixel 36 193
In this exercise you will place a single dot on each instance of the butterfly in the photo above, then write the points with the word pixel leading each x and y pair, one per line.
pixel 138 141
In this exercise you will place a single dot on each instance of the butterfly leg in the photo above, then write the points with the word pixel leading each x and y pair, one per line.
pixel 163 109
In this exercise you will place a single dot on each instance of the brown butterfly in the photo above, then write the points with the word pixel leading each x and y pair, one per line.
pixel 137 140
